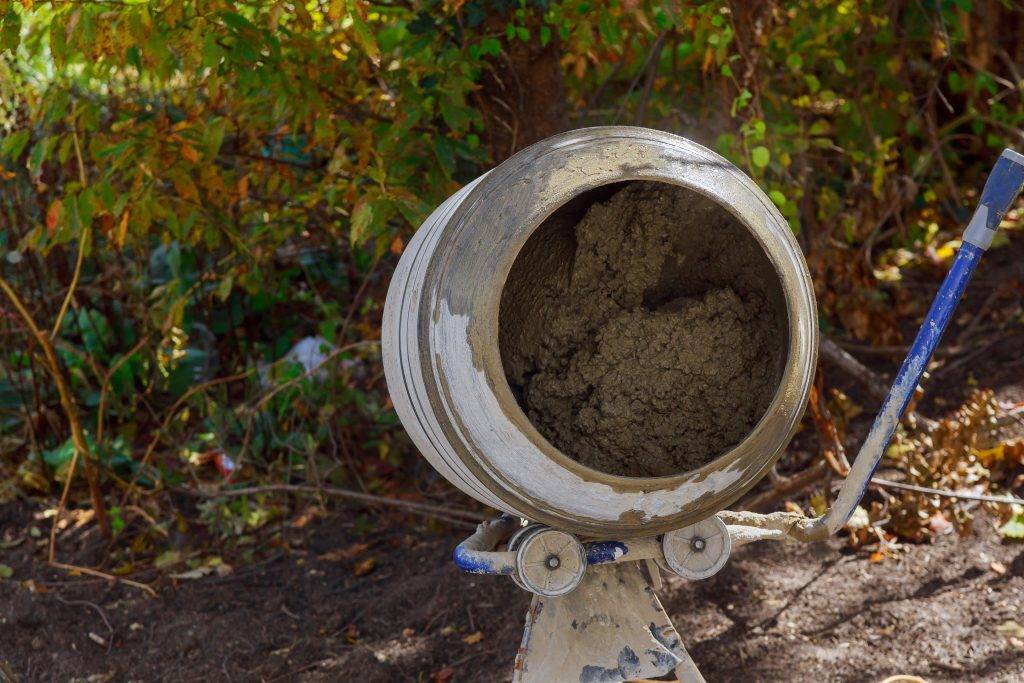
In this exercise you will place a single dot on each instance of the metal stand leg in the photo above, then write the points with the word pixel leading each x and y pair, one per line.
pixel 612 628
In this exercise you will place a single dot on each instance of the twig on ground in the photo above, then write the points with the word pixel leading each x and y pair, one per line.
pixel 842 359
pixel 103 575
pixel 652 71
pixel 99 610
pixel 444 512
pixel 875 385
pixel 799 482
pixel 982 497
pixel 308 373
pixel 964 337
pixel 655 49
pixel 787 487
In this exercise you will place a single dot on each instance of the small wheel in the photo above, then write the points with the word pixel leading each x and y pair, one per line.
pixel 513 545
pixel 550 562
pixel 699 550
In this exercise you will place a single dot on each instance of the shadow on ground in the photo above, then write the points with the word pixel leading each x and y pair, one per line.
pixel 776 613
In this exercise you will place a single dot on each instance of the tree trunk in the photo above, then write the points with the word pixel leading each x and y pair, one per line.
pixel 522 92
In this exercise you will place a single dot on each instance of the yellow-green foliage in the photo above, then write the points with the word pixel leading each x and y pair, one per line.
pixel 240 176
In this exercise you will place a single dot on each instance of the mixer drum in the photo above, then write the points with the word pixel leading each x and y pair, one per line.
pixel 442 339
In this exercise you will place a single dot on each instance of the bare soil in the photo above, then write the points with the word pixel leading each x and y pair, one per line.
pixel 775 613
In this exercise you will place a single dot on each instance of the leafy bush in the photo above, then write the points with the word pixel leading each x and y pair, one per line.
pixel 203 184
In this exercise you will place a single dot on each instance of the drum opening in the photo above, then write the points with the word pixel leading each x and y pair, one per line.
pixel 643 329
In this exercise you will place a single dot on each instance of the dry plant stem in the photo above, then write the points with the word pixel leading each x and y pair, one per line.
pixel 876 387
pixel 81 446
pixel 831 445
pixel 82 244
pixel 799 482
pixel 307 374
pixel 98 610
pixel 842 359
pixel 419 508
pixel 787 487
pixel 106 384
pixel 167 420
pixel 104 575
pixel 981 497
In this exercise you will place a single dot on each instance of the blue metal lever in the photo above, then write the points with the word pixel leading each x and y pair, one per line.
pixel 1001 189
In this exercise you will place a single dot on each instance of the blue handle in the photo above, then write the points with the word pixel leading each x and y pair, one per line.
pixel 1001 189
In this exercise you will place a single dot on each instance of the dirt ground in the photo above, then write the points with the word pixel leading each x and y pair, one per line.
pixel 333 602
pixel 775 613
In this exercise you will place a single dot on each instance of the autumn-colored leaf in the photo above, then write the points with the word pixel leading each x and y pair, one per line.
pixel 365 567
pixel 397 245
pixel 473 638
pixel 242 187
pixel 53 216
pixel 335 9
pixel 190 154
pixel 122 229
pixel 348 553
pixel 443 675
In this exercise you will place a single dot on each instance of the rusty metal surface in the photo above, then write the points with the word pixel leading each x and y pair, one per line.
pixel 611 628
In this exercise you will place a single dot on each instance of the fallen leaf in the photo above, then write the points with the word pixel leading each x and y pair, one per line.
pixel 397 245
pixel 6 572
pixel 167 559
pixel 211 565
pixel 939 524
pixel 192 574
pixel 1013 528
pixel 307 516
pixel 345 553
pixel 408 632
pixel 443 675
pixel 473 638
pixel 876 557
pixel 365 567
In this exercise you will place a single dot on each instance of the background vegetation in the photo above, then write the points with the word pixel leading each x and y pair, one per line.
pixel 188 189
